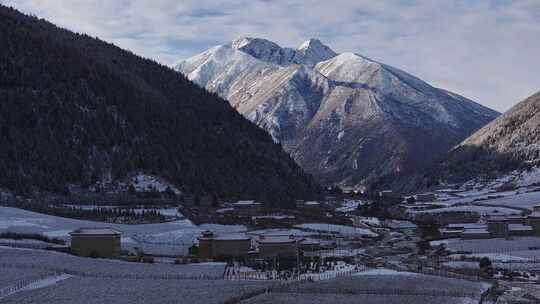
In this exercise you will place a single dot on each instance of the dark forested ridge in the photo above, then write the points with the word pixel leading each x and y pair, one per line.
pixel 508 143
pixel 73 108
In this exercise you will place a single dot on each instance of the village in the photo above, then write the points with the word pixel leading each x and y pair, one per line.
pixel 489 235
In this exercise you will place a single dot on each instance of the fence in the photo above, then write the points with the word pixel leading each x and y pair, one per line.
pixel 384 292
pixel 15 244
pixel 21 284
pixel 231 274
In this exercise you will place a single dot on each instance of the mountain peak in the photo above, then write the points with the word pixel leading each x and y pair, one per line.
pixel 242 43
pixel 314 51
pixel 310 43
pixel 308 53
pixel 345 118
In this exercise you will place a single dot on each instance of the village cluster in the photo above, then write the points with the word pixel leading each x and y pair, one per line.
pixel 486 235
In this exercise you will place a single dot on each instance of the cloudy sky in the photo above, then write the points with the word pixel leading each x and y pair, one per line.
pixel 488 51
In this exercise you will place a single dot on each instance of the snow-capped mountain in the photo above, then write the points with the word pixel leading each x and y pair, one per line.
pixel 345 118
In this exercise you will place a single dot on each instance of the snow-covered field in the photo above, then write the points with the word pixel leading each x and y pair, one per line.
pixel 303 298
pixel 482 210
pixel 497 249
pixel 343 230
pixel 380 286
pixel 31 259
pixel 177 236
pixel 349 206
pixel 63 278
pixel 98 291
pixel 521 200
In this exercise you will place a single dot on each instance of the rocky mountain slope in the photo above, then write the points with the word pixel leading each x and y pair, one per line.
pixel 510 142
pixel 75 110
pixel 345 118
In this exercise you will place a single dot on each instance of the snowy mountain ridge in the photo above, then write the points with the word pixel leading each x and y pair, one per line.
pixel 345 118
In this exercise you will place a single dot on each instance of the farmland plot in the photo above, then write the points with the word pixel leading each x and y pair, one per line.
pixel 396 282
pixel 377 287
pixel 97 291
pixel 28 259
pixel 295 298
pixel 521 248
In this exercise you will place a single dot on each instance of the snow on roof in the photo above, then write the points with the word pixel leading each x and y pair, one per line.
pixel 310 241
pixel 496 218
pixel 312 203
pixel 467 226
pixel 276 240
pixel 475 231
pixel 232 237
pixel 223 210
pixel 95 231
pixel 246 202
pixel 535 214
pixel 519 227
pixel 399 224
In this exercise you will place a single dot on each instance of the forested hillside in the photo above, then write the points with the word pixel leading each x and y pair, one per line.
pixel 74 109
pixel 508 143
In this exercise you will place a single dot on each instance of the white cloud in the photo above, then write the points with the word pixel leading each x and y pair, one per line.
pixel 485 50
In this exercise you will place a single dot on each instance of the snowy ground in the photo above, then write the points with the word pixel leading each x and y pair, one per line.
pixel 497 249
pixel 482 210
pixel 343 230
pixel 349 206
pixel 380 286
pixel 168 238
pixel 53 277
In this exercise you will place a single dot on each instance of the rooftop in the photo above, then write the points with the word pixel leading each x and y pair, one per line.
pixel 467 226
pixel 224 237
pixel 519 227
pixel 535 215
pixel 475 231
pixel 232 237
pixel 95 231
pixel 248 202
pixel 276 240
pixel 497 218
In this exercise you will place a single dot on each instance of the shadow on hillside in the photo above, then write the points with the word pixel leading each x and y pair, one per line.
pixel 459 165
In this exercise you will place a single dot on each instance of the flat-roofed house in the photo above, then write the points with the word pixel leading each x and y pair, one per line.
pixel 277 246
pixel 534 221
pixel 471 234
pixel 425 197
pixel 498 226
pixel 519 230
pixel 247 206
pixel 232 245
pixel 96 242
